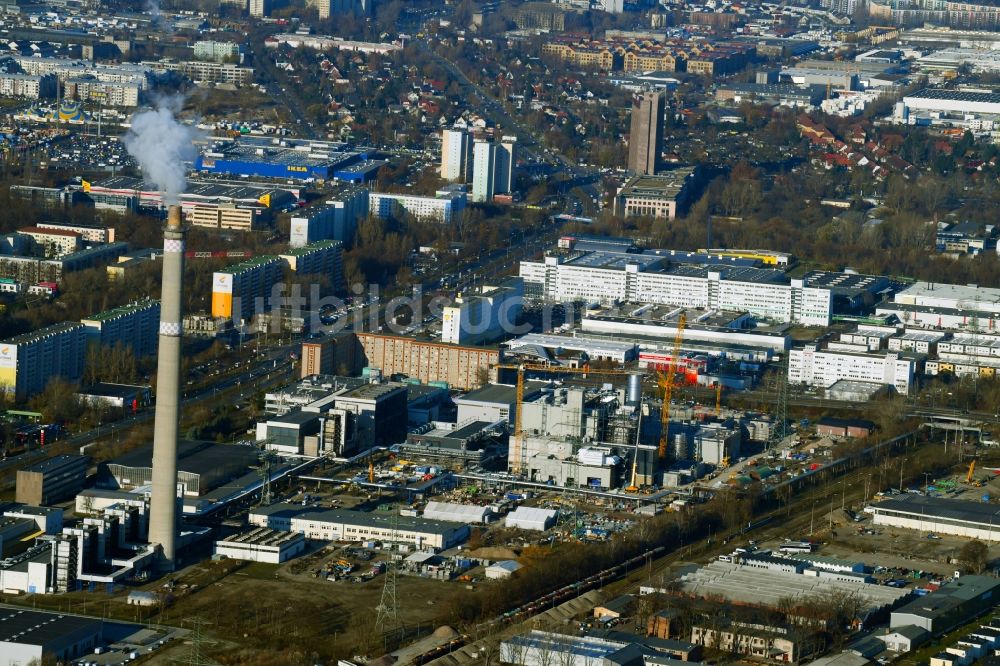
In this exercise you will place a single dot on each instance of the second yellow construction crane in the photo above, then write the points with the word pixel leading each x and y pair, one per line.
pixel 666 380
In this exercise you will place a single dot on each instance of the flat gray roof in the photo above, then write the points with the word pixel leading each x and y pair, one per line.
pixel 31 627
pixel 383 520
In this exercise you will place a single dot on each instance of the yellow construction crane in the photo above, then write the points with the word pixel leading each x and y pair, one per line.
pixel 718 398
pixel 667 385
pixel 972 470
pixel 515 457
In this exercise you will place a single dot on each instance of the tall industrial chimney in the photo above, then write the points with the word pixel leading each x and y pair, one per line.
pixel 163 506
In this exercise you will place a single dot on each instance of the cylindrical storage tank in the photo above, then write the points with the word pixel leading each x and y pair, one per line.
pixel 634 394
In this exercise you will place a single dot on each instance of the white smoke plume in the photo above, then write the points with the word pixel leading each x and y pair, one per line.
pixel 161 144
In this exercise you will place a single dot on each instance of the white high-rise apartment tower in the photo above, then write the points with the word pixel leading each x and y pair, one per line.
pixel 456 155
pixel 484 171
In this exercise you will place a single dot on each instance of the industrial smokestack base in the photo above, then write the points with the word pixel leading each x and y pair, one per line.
pixel 163 504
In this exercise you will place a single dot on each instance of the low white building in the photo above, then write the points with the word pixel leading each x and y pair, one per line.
pixel 502 570
pixel 812 366
pixel 261 545
pixel 458 513
pixel 532 518
pixel 445 206
pixel 973 520
pixel 340 525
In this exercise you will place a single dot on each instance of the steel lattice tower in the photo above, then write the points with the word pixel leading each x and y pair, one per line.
pixel 388 614
pixel 779 428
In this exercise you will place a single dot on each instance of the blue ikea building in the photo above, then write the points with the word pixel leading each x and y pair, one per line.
pixel 319 163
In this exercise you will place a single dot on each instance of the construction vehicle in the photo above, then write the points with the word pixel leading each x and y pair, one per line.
pixel 666 381
pixel 516 462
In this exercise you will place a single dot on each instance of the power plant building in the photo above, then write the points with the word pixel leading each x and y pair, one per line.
pixel 484 316
pixel 29 361
pixel 52 480
pixel 239 289
pixel 135 326
pixel 201 467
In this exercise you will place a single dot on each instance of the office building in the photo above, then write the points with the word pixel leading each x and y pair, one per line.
pixel 484 156
pixel 484 316
pixel 459 367
pixel 660 196
pixel 666 278
pixel 241 291
pixel 812 366
pixel 445 207
pixel 52 480
pixel 335 219
pixel 29 361
pixel 342 525
pixel 135 326
pixel 646 133
pixel 456 155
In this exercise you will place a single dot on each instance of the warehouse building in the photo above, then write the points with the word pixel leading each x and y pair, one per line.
pixel 205 203
pixel 458 513
pixel 52 480
pixel 291 160
pixel 343 525
pixel 738 585
pixel 29 361
pixel 953 604
pixel 30 636
pixel 261 545
pixel 201 467
pixel 975 520
pixel 539 648
pixel 939 101
pixel 136 326
pixel 531 518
